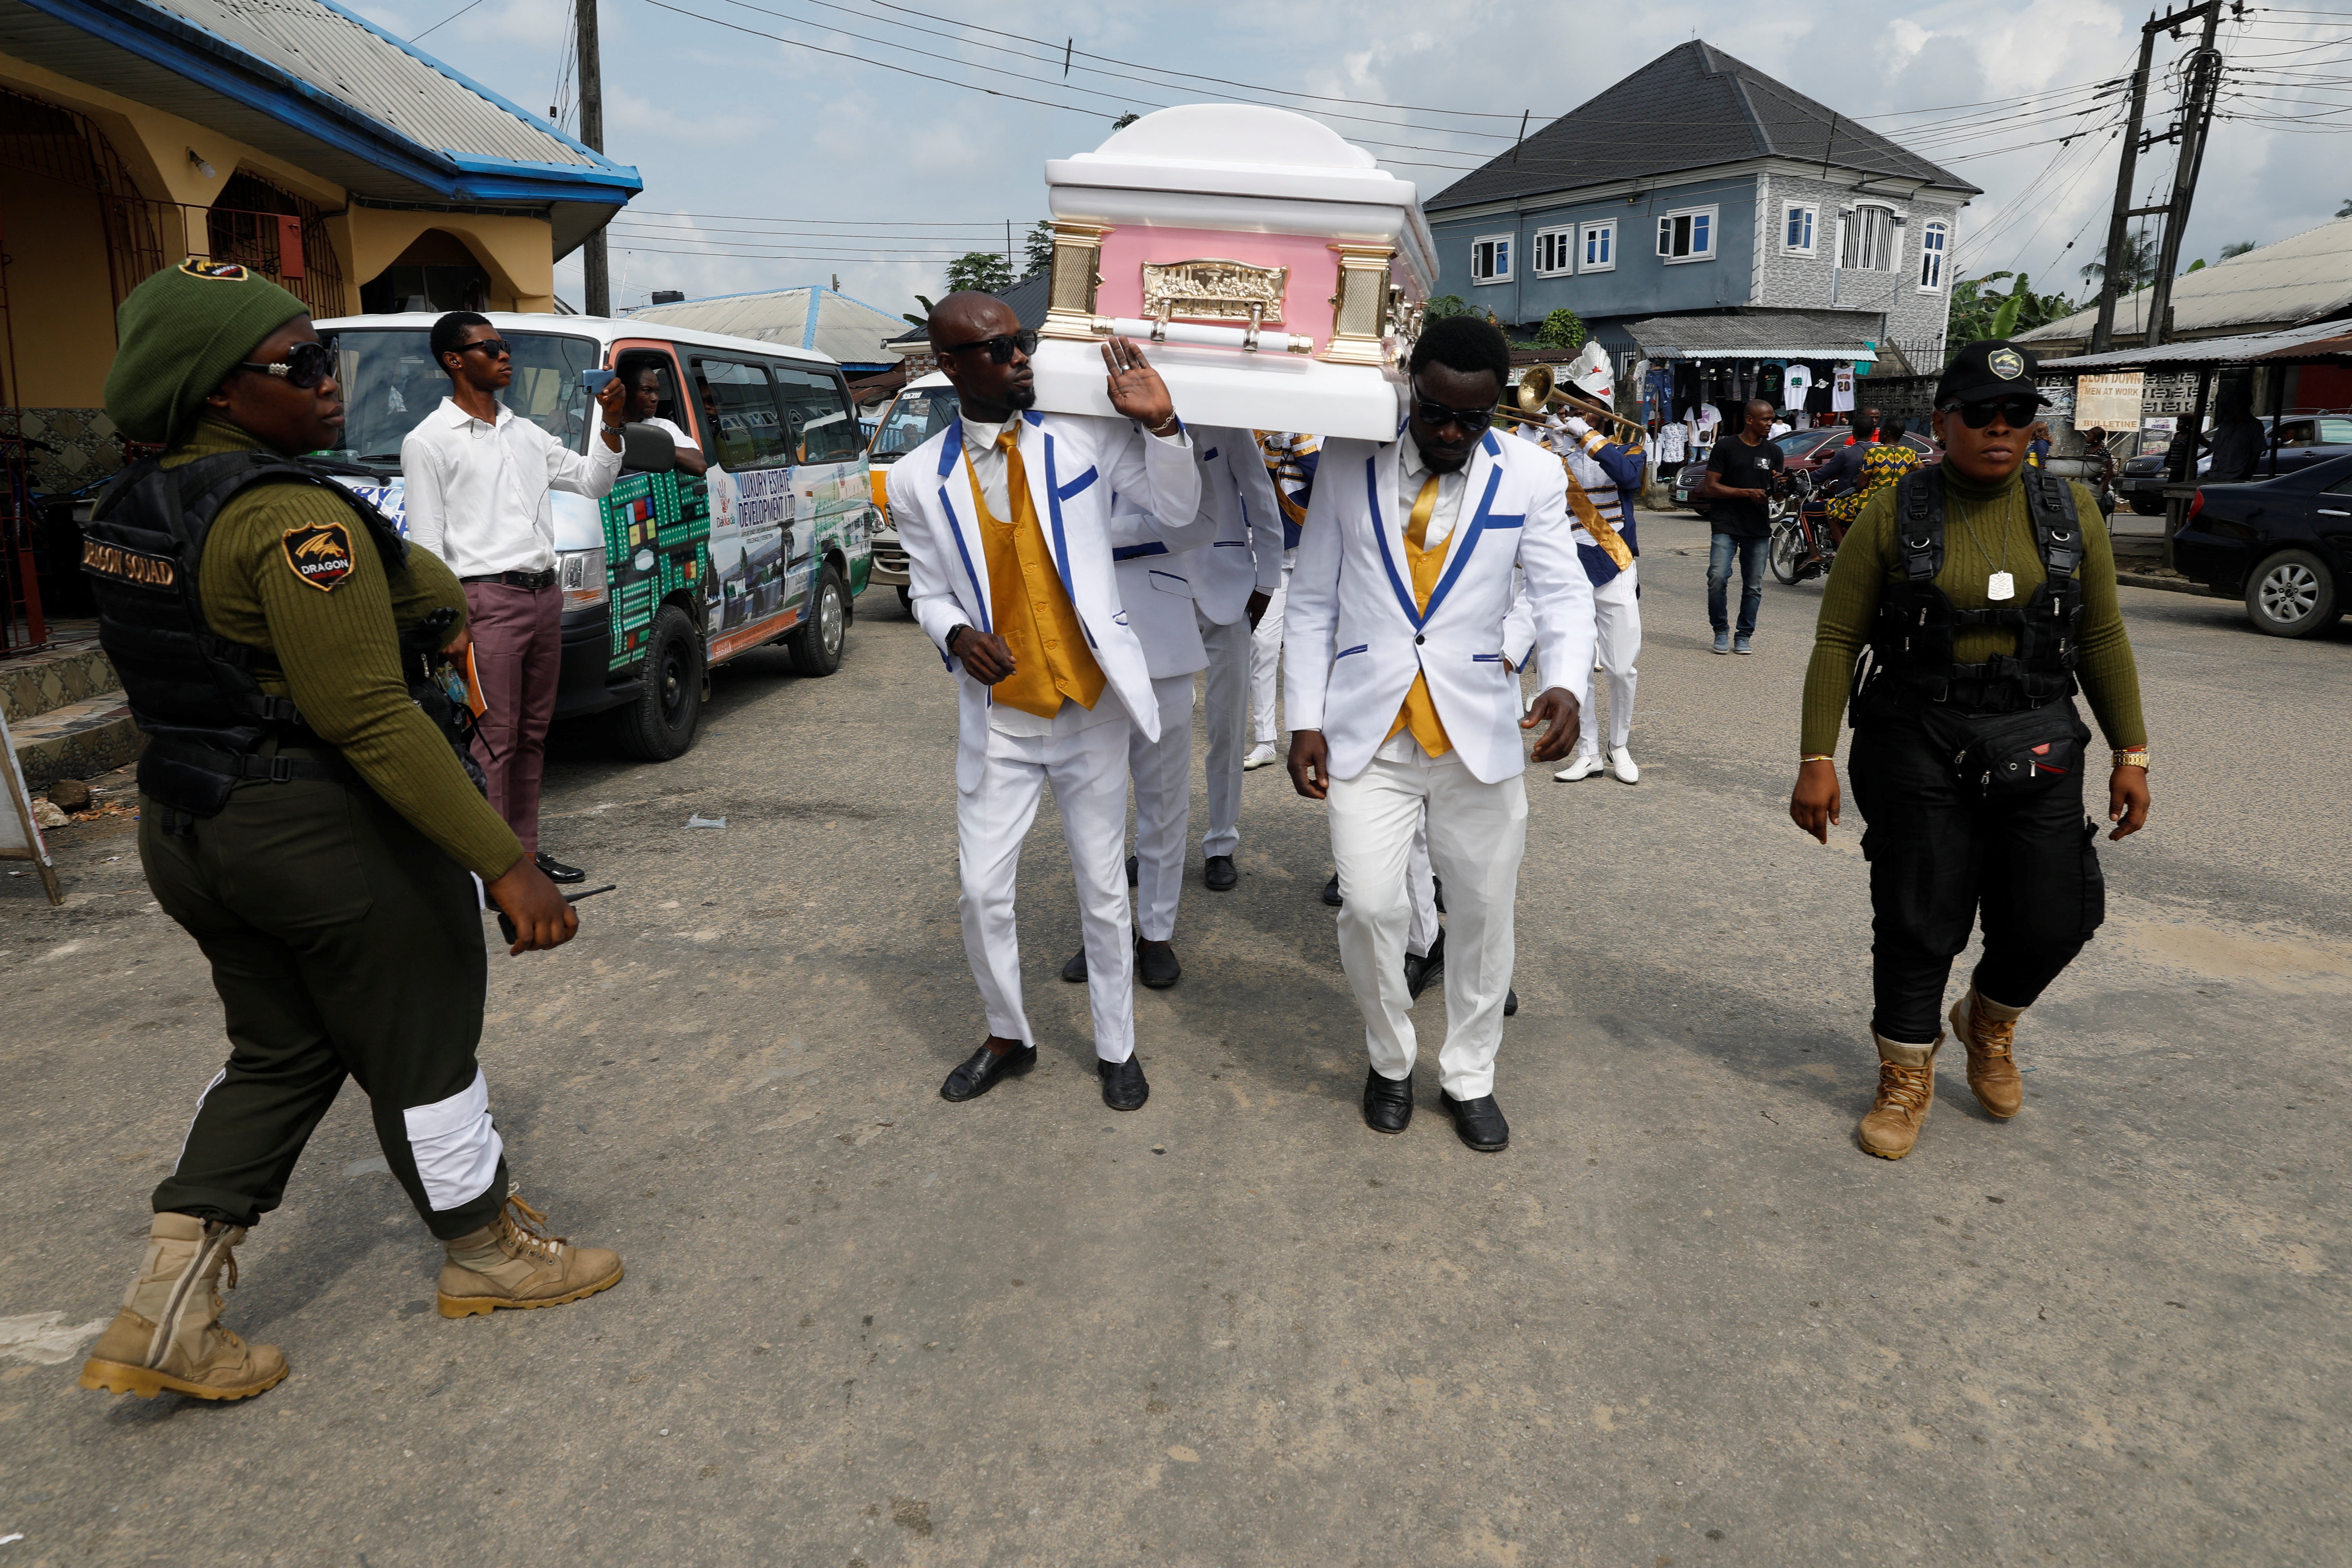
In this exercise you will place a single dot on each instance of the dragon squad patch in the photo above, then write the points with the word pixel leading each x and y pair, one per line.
pixel 320 553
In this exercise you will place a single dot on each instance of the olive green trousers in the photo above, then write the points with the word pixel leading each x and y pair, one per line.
pixel 344 942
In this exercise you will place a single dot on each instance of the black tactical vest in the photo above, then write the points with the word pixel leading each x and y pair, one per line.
pixel 192 692
pixel 1911 643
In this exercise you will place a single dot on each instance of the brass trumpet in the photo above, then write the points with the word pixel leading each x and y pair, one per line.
pixel 1538 392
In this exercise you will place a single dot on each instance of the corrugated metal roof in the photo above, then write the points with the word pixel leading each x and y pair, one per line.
pixel 1762 334
pixel 1692 107
pixel 850 330
pixel 2288 344
pixel 335 53
pixel 2306 279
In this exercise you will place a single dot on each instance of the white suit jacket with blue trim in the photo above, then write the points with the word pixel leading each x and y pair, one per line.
pixel 1075 462
pixel 1244 554
pixel 1352 593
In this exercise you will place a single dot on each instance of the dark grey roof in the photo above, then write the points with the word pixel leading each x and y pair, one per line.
pixel 1691 108
pixel 1763 335
pixel 1028 298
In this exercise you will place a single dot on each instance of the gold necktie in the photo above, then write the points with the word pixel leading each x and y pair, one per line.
pixel 1419 713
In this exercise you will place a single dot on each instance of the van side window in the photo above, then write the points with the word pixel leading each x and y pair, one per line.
pixel 821 425
pixel 739 408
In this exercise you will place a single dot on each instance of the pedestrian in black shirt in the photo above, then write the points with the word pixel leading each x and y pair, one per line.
pixel 1739 477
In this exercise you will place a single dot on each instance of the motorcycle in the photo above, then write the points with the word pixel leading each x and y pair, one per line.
pixel 1804 542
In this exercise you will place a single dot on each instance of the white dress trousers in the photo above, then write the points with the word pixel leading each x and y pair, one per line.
pixel 1477 834
pixel 1266 657
pixel 1087 770
pixel 1227 700
pixel 1421 932
pixel 1162 770
pixel 1617 625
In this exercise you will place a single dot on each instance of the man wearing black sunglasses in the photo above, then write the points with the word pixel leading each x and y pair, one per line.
pixel 1005 515
pixel 478 480
pixel 1984 591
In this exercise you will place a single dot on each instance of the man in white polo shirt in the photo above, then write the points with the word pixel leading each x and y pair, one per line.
pixel 478 480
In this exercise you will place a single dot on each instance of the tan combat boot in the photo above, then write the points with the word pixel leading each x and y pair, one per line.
pixel 1907 1088
pixel 510 1262
pixel 168 1339
pixel 1988 1028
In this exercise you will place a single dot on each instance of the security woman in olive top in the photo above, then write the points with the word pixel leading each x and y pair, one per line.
pixel 1983 591
pixel 302 817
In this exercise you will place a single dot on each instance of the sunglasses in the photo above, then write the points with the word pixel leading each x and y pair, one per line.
pixel 1436 415
pixel 496 348
pixel 305 366
pixel 2016 413
pixel 1000 350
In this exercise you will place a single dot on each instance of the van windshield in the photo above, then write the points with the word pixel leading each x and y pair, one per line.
pixel 914 418
pixel 390 382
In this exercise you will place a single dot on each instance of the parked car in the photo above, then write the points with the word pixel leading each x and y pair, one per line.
pixel 2285 544
pixel 920 411
pixel 2298 440
pixel 1800 451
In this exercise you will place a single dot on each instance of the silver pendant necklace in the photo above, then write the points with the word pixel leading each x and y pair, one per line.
pixel 2001 586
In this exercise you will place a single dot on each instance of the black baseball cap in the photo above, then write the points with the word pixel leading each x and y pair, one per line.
pixel 1988 369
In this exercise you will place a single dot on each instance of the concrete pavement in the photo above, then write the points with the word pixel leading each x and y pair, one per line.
pixel 1681 1320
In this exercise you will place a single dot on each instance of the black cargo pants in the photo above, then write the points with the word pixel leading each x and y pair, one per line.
pixel 1938 854
pixel 342 942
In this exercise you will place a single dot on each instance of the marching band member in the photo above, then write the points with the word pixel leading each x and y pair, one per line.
pixel 1603 478
pixel 1005 515
pixel 1404 573
pixel 1290 458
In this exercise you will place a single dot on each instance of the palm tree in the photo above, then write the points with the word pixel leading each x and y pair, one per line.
pixel 2139 265
pixel 2345 210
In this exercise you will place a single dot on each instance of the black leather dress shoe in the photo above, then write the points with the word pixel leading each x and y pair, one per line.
pixel 1218 873
pixel 1075 971
pixel 1437 892
pixel 1122 1084
pixel 1387 1102
pixel 1331 891
pixel 1511 1003
pixel 1478 1121
pixel 1134 870
pixel 1420 971
pixel 557 871
pixel 984 1069
pixel 1156 966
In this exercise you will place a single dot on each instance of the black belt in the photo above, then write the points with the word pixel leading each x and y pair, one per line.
pixel 531 580
pixel 279 769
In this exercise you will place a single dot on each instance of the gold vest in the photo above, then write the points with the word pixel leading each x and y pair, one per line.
pixel 1419 713
pixel 1051 660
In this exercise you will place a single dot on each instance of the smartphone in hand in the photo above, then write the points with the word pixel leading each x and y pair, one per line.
pixel 595 380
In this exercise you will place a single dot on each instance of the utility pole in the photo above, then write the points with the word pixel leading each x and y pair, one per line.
pixel 2103 334
pixel 595 268
pixel 2196 126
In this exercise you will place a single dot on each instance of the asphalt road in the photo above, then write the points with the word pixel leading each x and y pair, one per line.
pixel 1681 1321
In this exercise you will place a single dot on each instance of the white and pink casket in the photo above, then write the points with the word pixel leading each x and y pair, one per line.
pixel 1273 270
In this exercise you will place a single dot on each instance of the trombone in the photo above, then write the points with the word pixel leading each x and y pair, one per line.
pixel 1538 393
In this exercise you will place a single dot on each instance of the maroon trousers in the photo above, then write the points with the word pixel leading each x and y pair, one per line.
pixel 518 655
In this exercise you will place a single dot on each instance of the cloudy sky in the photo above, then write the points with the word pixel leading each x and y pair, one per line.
pixel 859 150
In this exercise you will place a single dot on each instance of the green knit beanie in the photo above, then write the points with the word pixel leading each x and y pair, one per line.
pixel 182 332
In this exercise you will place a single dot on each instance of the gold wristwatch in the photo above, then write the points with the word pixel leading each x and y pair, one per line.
pixel 2135 758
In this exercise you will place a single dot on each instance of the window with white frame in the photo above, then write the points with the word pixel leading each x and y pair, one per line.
pixel 1688 235
pixel 1599 248
pixel 1935 240
pixel 1490 258
pixel 1866 240
pixel 1555 251
pixel 1799 220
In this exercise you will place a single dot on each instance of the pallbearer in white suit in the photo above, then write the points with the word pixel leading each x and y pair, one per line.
pixel 1174 581
pixel 1005 515
pixel 1405 572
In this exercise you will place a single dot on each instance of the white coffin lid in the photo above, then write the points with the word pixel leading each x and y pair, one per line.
pixel 1245 167
pixel 1215 386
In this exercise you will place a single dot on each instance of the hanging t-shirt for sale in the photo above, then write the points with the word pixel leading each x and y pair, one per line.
pixel 1842 390
pixel 1797 381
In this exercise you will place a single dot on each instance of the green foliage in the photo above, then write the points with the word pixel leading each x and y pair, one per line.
pixel 1124 121
pixel 1040 245
pixel 2138 269
pixel 1976 312
pixel 2196 266
pixel 2245 246
pixel 925 319
pixel 1562 330
pixel 982 270
pixel 2344 211
pixel 1445 305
